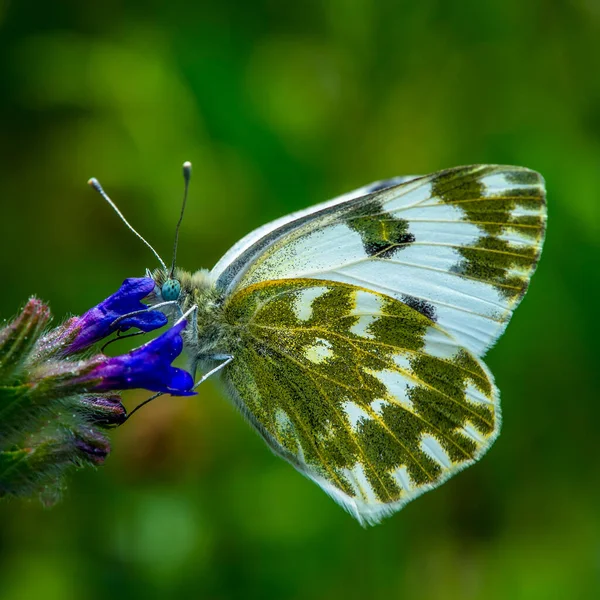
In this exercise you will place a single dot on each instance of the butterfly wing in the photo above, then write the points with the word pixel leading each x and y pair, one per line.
pixel 238 249
pixel 362 393
pixel 459 246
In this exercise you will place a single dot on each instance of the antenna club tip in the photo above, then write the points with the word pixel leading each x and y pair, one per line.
pixel 187 170
pixel 187 164
pixel 94 183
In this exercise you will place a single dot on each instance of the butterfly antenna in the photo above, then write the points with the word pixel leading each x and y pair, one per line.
pixel 93 182
pixel 187 175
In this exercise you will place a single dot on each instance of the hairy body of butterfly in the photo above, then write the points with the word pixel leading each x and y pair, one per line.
pixel 354 330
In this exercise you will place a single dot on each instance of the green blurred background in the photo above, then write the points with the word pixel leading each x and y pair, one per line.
pixel 280 105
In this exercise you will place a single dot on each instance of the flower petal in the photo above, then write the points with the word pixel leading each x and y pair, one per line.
pixel 148 367
pixel 99 322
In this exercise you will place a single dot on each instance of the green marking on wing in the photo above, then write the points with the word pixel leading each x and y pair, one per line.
pixel 492 259
pixel 491 210
pixel 300 378
pixel 381 233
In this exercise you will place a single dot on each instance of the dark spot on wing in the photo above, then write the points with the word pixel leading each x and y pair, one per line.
pixel 493 210
pixel 422 306
pixel 524 177
pixel 462 183
pixel 381 233
pixel 491 260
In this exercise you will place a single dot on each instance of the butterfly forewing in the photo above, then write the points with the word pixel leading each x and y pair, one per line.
pixel 248 241
pixel 363 393
pixel 459 246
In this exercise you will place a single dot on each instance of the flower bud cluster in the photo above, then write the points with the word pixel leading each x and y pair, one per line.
pixel 56 401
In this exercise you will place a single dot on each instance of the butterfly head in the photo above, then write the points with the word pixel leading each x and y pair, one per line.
pixel 169 286
pixel 170 290
pixel 181 286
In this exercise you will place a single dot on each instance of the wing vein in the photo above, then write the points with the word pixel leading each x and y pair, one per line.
pixel 398 369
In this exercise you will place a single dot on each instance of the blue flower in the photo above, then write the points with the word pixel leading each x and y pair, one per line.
pixel 148 367
pixel 55 405
pixel 101 320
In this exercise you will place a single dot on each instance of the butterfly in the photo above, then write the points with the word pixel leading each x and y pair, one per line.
pixel 350 335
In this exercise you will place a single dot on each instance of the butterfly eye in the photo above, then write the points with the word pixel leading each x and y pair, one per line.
pixel 170 290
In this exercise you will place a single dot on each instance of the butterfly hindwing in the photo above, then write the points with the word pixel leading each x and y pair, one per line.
pixel 363 393
pixel 459 246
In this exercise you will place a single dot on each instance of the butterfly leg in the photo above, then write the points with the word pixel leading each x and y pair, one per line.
pixel 225 358
pixel 194 323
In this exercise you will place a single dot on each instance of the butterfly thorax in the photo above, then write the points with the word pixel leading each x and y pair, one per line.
pixel 209 335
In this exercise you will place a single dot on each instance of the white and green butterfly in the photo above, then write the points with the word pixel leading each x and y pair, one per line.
pixel 350 334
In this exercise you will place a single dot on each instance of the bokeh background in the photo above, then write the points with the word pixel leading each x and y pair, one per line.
pixel 280 105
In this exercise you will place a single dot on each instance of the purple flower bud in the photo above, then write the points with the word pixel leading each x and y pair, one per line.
pixel 39 467
pixel 99 322
pixel 18 338
pixel 91 446
pixel 148 367
pixel 104 411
